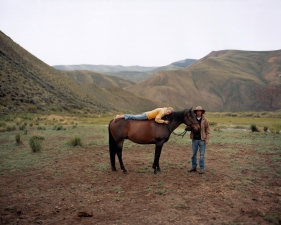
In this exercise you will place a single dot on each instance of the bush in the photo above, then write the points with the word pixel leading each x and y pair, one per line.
pixel 254 128
pixel 41 128
pixel 213 123
pixel 59 128
pixel 18 139
pixel 75 141
pixel 21 127
pixel 35 143
pixel 11 128
pixel 2 124
pixel 276 128
pixel 265 128
pixel 3 129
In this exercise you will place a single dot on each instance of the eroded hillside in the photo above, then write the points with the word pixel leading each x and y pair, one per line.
pixel 221 81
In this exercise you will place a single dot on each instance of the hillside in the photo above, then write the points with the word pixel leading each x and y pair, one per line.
pixel 104 68
pixel 29 85
pixel 227 80
pixel 101 80
pixel 132 73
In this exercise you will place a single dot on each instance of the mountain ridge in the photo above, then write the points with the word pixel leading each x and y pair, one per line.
pixel 27 84
pixel 132 73
pixel 227 80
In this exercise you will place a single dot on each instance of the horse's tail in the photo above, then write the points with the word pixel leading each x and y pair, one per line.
pixel 112 148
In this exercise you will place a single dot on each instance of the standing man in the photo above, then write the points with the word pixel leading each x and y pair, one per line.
pixel 199 140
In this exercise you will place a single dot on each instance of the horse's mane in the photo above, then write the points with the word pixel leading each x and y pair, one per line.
pixel 175 115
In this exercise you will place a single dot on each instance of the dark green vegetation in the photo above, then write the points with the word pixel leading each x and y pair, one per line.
pixel 73 184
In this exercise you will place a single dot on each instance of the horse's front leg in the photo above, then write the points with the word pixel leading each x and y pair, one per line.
pixel 155 166
pixel 119 155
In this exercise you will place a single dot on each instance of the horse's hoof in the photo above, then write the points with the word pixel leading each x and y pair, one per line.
pixel 114 169
pixel 124 171
pixel 159 170
pixel 155 171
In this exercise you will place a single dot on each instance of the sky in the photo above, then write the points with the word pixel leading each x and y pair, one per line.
pixel 139 32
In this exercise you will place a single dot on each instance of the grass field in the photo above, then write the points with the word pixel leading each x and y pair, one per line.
pixel 64 184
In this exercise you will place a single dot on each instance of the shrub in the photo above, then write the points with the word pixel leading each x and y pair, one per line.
pixel 265 128
pixel 2 124
pixel 254 128
pixel 31 124
pixel 21 127
pixel 276 128
pixel 41 128
pixel 11 128
pixel 18 139
pixel 2 129
pixel 213 123
pixel 75 141
pixel 32 109
pixel 59 128
pixel 35 143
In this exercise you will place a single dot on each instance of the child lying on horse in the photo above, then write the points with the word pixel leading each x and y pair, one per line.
pixel 156 114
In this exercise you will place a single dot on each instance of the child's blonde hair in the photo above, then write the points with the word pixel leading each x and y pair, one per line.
pixel 170 109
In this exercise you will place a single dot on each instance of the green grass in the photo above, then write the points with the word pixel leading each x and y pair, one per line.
pixel 93 132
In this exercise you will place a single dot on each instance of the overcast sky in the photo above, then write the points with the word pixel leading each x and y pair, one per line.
pixel 139 32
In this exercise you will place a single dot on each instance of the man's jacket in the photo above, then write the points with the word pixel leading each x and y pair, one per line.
pixel 204 131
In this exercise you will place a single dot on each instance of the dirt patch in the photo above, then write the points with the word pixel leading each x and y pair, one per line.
pixel 80 188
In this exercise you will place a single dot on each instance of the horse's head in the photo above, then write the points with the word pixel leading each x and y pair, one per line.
pixel 190 119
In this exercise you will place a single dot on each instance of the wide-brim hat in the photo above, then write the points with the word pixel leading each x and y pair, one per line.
pixel 199 108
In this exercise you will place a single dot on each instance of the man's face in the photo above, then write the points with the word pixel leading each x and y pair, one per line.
pixel 198 113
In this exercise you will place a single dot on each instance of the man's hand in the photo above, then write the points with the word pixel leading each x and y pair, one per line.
pixel 166 121
pixel 206 141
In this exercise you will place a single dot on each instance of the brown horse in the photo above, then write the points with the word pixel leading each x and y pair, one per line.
pixel 146 132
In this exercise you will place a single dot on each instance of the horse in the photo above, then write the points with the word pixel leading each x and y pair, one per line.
pixel 146 132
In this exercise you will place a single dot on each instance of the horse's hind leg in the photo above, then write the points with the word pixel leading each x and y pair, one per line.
pixel 112 161
pixel 119 155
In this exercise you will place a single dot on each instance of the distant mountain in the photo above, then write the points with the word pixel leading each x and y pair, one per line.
pixel 184 63
pixel 104 68
pixel 29 85
pixel 101 80
pixel 132 73
pixel 229 80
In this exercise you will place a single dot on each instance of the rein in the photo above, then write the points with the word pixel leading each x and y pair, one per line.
pixel 172 132
pixel 181 134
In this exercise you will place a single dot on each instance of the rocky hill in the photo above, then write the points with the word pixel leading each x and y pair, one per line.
pixel 29 85
pixel 227 80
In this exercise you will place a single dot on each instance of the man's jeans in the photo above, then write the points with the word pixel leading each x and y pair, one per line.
pixel 198 144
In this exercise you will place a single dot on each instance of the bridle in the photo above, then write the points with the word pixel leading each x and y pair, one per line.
pixel 184 132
